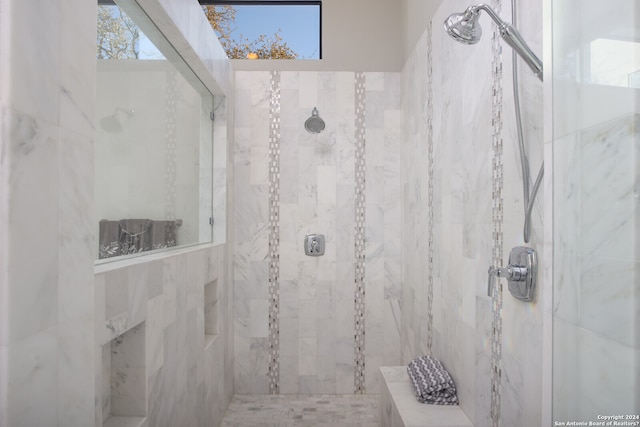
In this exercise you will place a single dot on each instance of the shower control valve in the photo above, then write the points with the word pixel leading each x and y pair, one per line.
pixel 520 273
pixel 314 244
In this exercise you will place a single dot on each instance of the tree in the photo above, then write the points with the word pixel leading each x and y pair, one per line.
pixel 118 35
pixel 222 19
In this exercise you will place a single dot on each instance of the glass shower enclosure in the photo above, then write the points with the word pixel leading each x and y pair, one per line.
pixel 596 221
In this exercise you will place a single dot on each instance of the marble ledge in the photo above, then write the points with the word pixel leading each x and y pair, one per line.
pixel 111 264
pixel 399 407
pixel 125 422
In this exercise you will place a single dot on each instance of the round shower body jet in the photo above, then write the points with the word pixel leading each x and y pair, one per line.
pixel 464 28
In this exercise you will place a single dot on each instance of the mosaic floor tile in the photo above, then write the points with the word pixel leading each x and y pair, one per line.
pixel 307 411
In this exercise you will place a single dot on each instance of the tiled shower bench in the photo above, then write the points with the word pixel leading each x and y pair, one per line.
pixel 399 407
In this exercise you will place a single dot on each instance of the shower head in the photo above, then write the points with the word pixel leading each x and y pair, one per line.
pixel 314 124
pixel 464 28
pixel 113 123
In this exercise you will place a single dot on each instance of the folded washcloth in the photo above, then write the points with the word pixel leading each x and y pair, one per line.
pixel 431 382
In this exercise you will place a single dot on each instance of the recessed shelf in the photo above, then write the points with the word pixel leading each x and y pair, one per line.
pixel 211 308
pixel 210 312
pixel 124 379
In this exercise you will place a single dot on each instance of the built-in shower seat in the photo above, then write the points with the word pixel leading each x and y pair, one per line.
pixel 400 408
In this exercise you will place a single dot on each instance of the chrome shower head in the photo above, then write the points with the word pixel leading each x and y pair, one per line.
pixel 113 123
pixel 314 124
pixel 464 28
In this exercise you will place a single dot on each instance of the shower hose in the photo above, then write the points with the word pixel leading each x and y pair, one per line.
pixel 529 198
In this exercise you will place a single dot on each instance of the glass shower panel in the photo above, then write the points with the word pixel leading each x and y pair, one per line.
pixel 596 284
pixel 153 165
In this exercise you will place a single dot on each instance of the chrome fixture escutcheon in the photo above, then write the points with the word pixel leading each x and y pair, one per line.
pixel 314 244
pixel 520 273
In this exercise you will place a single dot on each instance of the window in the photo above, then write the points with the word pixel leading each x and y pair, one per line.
pixel 119 37
pixel 267 29
pixel 153 147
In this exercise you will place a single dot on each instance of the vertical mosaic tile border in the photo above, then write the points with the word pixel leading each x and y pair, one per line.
pixel 360 171
pixel 497 218
pixel 430 187
pixel 171 138
pixel 274 233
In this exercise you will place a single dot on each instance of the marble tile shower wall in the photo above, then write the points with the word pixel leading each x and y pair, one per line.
pixel 596 237
pixel 46 189
pixel 462 211
pixel 317 195
pixel 52 305
pixel 184 369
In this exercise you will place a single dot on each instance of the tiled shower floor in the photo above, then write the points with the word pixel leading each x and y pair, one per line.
pixel 308 411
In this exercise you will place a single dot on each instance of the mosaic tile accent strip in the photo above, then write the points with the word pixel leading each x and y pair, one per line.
pixel 497 219
pixel 430 186
pixel 171 138
pixel 360 171
pixel 274 234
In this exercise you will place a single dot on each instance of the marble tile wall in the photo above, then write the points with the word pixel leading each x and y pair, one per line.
pixel 317 188
pixel 596 295
pixel 52 303
pixel 46 185
pixel 222 167
pixel 151 315
pixel 462 212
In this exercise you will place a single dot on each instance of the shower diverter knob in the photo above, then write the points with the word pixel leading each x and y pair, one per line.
pixel 520 273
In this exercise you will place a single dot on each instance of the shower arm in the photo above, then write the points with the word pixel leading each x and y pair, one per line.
pixel 511 36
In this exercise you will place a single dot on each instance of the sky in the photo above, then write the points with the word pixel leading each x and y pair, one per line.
pixel 299 26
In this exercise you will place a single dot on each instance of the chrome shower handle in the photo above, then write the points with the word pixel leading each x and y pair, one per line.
pixel 520 273
pixel 513 273
pixel 497 272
